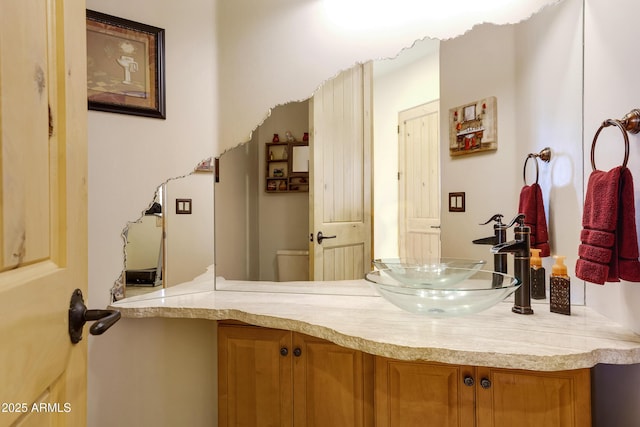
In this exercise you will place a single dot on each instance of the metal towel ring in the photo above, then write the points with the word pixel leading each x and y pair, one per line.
pixel 524 169
pixel 544 155
pixel 606 123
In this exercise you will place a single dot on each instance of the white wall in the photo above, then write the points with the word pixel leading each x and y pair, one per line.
pixel 236 216
pixel 154 372
pixel 295 45
pixel 128 158
pixel 611 92
pixel 189 237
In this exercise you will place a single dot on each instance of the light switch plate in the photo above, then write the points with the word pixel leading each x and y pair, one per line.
pixel 457 202
pixel 183 206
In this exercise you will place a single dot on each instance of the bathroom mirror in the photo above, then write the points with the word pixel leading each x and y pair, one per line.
pixel 534 110
pixel 172 242
pixel 534 70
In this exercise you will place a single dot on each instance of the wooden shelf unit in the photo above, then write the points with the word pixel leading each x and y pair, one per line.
pixel 279 174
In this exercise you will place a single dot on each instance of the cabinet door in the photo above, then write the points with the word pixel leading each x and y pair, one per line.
pixel 422 394
pixel 254 376
pixel 526 398
pixel 332 384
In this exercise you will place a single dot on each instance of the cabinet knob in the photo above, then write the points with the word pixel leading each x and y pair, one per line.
pixel 468 381
pixel 297 352
pixel 485 383
pixel 284 351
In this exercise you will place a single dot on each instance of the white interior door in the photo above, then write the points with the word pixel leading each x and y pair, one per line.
pixel 340 175
pixel 43 211
pixel 419 182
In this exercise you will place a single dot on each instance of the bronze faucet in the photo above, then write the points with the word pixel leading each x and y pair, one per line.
pixel 499 236
pixel 520 247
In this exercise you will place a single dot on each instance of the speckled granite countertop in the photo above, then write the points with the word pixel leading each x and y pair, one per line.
pixel 351 315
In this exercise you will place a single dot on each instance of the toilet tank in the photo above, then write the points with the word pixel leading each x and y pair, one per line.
pixel 293 265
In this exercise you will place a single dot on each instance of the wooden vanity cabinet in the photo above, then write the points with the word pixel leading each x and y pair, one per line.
pixel 254 380
pixel 422 394
pixel 526 398
pixel 432 394
pixel 271 377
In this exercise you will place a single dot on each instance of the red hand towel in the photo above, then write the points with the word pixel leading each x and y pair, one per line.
pixel 609 248
pixel 599 221
pixel 628 264
pixel 532 206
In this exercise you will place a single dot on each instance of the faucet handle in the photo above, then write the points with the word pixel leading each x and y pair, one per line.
pixel 518 219
pixel 497 218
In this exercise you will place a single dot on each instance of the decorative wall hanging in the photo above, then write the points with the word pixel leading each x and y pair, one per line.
pixel 473 127
pixel 125 66
pixel 205 165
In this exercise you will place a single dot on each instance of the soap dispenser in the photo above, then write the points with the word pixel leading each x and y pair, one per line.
pixel 560 287
pixel 538 281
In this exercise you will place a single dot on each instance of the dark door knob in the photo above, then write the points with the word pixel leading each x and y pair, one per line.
pixel 468 381
pixel 284 351
pixel 297 352
pixel 79 315
pixel 321 237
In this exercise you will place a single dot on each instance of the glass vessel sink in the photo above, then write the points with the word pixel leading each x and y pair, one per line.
pixel 477 292
pixel 441 272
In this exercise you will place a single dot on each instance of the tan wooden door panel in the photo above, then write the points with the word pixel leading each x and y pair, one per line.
pixel 333 385
pixel 340 191
pixel 255 385
pixel 526 398
pixel 43 222
pixel 419 182
pixel 422 394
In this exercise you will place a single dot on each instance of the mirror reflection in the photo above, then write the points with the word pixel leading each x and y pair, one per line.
pixel 256 219
pixel 144 250
pixel 533 69
pixel 172 242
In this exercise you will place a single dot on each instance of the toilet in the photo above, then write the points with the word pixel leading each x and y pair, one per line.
pixel 293 265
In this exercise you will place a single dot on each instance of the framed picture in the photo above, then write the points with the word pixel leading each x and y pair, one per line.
pixel 125 66
pixel 473 127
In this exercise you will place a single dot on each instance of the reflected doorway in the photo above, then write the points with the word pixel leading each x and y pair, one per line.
pixel 260 220
pixel 419 182
pixel 253 222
